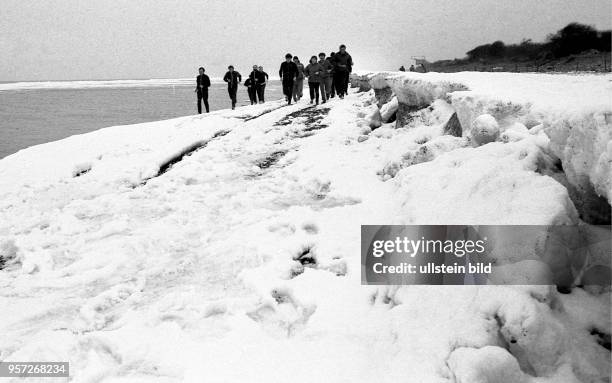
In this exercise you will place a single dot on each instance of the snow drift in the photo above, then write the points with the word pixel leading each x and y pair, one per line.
pixel 575 112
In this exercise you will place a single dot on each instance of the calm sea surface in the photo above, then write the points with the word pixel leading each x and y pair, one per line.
pixel 35 113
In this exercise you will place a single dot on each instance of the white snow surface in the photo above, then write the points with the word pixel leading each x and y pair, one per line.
pixel 191 275
pixel 575 110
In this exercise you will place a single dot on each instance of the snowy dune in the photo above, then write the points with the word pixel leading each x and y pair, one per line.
pixel 225 248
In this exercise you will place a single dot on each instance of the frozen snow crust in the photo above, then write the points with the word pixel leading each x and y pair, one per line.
pixel 225 248
pixel 575 111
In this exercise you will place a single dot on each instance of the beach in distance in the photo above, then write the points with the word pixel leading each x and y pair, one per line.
pixel 33 113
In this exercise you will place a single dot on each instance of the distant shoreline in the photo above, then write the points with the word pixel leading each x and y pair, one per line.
pixel 89 84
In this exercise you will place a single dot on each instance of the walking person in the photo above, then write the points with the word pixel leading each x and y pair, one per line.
pixel 202 85
pixel 261 85
pixel 250 84
pixel 333 73
pixel 232 78
pixel 298 85
pixel 288 73
pixel 343 64
pixel 326 76
pixel 254 77
pixel 313 72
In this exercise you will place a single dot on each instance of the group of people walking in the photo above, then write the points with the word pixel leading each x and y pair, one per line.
pixel 326 76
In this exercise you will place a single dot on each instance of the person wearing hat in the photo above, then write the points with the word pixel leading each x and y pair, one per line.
pixel 202 85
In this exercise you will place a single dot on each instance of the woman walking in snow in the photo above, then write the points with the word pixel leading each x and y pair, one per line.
pixel 298 85
pixel 313 71
pixel 326 76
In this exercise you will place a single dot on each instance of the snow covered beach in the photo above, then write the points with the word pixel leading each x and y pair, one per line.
pixel 225 247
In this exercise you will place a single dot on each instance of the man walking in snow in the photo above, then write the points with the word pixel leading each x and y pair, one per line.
pixel 288 73
pixel 202 85
pixel 232 78
pixel 261 85
pixel 343 64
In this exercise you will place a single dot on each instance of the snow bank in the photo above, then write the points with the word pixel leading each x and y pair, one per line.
pixel 574 111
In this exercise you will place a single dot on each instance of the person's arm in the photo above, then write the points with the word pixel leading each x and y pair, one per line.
pixel 280 72
pixel 197 84
pixel 239 77
pixel 226 77
pixel 207 82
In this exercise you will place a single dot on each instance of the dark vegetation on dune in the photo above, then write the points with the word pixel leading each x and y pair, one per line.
pixel 576 46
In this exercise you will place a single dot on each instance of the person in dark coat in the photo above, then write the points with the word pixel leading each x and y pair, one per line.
pixel 250 84
pixel 288 73
pixel 202 85
pixel 333 72
pixel 232 78
pixel 254 77
pixel 261 85
pixel 402 69
pixel 343 64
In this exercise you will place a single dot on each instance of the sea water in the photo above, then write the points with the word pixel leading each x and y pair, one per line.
pixel 35 113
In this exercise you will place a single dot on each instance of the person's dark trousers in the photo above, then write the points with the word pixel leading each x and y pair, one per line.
pixel 339 81
pixel 232 94
pixel 288 89
pixel 333 86
pixel 314 91
pixel 346 82
pixel 202 97
pixel 252 95
pixel 261 89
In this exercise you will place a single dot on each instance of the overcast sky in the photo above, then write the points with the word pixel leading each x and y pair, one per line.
pixel 122 39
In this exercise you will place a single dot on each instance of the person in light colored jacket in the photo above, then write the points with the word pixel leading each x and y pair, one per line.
pixel 298 85
pixel 314 71
pixel 327 76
